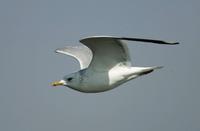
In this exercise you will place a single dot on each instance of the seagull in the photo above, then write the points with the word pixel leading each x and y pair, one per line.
pixel 104 63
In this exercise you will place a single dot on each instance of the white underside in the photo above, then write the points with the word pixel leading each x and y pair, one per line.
pixel 102 81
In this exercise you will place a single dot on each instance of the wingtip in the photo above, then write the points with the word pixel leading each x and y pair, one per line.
pixel 174 43
pixel 57 51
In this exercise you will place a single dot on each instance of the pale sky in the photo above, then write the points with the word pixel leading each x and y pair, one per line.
pixel 165 100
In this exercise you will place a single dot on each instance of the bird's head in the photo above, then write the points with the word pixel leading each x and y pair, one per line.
pixel 68 80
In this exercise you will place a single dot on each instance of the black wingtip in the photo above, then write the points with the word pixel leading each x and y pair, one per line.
pixel 170 43
pixel 176 43
pixel 149 41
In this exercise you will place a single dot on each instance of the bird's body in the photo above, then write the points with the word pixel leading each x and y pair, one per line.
pixel 88 81
pixel 105 64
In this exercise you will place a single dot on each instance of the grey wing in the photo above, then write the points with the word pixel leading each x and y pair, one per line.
pixel 107 52
pixel 81 53
pixel 110 51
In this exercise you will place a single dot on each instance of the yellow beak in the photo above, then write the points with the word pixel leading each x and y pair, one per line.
pixel 57 83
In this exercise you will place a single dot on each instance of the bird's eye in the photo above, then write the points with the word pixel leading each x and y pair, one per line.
pixel 69 79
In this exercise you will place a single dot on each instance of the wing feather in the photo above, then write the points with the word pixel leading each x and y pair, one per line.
pixel 107 52
pixel 80 53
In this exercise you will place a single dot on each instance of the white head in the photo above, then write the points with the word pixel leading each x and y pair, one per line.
pixel 71 81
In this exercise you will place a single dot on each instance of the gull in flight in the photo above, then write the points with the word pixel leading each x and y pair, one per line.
pixel 104 63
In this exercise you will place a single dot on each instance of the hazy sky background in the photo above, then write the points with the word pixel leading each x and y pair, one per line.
pixel 166 100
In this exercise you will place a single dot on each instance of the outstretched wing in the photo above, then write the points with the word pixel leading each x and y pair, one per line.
pixel 111 51
pixel 107 52
pixel 81 53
